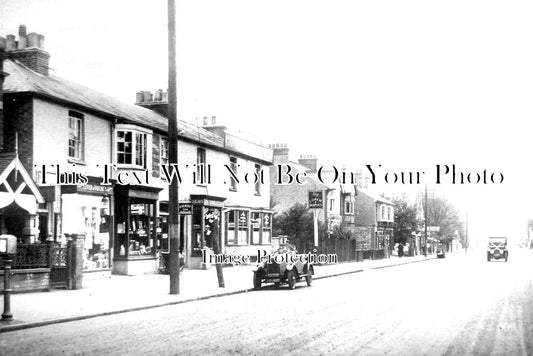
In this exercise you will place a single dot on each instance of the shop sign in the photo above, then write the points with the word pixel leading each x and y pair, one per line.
pixel 243 218
pixel 185 209
pixel 315 200
pixel 94 188
pixel 266 220
pixel 137 209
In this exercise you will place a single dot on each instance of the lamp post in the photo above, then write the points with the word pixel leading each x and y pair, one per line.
pixel 8 248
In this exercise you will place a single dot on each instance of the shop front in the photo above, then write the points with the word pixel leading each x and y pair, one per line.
pixel 86 209
pixel 137 228
pixel 205 223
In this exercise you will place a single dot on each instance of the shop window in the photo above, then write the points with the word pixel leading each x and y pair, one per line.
pixel 256 227
pixel 230 228
pixel 267 228
pixel 242 234
pixel 132 148
pixel 75 138
pixel 140 228
pixel 233 167
pixel 237 227
pixel 197 230
pixel 96 243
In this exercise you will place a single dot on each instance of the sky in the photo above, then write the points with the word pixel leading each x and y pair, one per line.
pixel 406 84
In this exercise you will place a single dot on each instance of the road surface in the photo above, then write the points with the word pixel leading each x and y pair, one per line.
pixel 453 306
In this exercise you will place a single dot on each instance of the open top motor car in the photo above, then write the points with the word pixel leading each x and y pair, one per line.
pixel 497 249
pixel 441 251
pixel 281 267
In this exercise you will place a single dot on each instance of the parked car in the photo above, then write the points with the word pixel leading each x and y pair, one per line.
pixel 280 268
pixel 441 251
pixel 497 249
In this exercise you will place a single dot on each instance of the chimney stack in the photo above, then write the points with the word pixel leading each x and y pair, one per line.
pixel 309 161
pixel 28 50
pixel 281 152
pixel 157 101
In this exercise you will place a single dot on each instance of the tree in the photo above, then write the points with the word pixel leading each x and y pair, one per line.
pixel 404 218
pixel 443 214
pixel 296 223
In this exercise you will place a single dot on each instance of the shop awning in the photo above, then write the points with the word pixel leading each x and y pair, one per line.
pixel 16 185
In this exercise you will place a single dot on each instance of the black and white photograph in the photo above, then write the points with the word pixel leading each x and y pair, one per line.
pixel 244 177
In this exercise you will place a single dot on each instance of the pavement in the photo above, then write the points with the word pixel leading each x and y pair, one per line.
pixel 120 294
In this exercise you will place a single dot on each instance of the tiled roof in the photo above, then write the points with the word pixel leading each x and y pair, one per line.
pixel 376 197
pixel 23 79
pixel 5 160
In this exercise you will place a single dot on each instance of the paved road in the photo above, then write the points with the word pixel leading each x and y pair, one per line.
pixel 455 306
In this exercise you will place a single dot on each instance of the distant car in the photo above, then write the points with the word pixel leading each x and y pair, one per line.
pixel 441 251
pixel 279 269
pixel 497 249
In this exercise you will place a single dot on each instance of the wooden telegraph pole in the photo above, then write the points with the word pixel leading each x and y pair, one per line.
pixel 173 200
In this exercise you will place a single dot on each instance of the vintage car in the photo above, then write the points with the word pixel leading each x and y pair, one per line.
pixel 283 266
pixel 441 251
pixel 497 249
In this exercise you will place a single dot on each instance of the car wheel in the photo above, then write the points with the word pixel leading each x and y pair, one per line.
pixel 276 284
pixel 257 281
pixel 309 278
pixel 291 279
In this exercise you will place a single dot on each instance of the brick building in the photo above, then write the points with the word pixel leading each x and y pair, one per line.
pixel 97 162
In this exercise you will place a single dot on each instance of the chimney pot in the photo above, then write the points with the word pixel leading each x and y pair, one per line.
pixel 206 121
pixel 213 120
pixel 23 42
pixel 22 30
pixel 10 43
pixel 41 41
pixel 139 97
pixel 147 96
pixel 33 40
pixel 158 95
pixel 164 97
pixel 2 43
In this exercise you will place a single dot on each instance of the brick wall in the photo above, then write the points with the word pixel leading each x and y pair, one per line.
pixel 18 111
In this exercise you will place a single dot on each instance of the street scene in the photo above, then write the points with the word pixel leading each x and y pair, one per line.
pixel 456 306
pixel 290 177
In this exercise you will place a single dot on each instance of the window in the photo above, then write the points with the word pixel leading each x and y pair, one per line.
pixel 267 228
pixel 163 152
pixel 382 213
pixel 132 148
pixel 75 137
pixel 331 204
pixel 256 227
pixel 233 167
pixel 200 166
pixel 389 213
pixel 230 228
pixel 348 206
pixel 257 190
pixel 140 149
pixel 237 227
